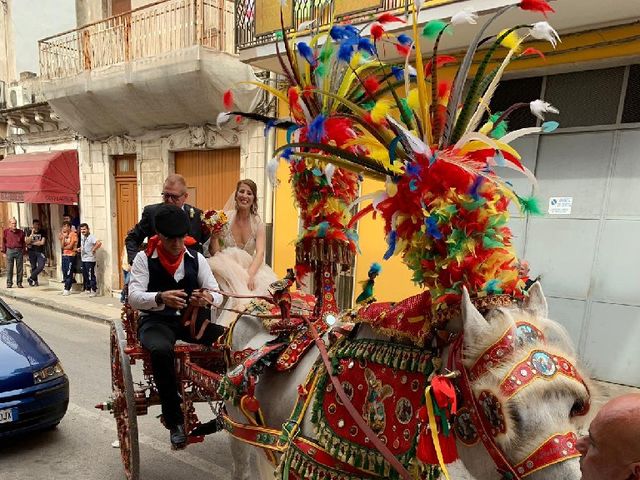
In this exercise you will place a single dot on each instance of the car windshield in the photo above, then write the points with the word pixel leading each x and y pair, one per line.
pixel 6 316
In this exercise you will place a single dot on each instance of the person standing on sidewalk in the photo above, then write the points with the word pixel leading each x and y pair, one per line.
pixel 36 240
pixel 13 248
pixel 88 247
pixel 69 242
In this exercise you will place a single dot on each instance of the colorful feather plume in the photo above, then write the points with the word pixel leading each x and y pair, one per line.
pixel 444 208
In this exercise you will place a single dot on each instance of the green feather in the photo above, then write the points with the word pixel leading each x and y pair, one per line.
pixel 501 130
pixel 433 28
pixel 326 52
pixel 530 205
pixel 321 70
pixel 279 34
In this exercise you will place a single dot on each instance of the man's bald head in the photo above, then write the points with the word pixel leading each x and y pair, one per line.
pixel 611 451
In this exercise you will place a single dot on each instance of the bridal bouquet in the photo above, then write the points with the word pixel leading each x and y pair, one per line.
pixel 215 220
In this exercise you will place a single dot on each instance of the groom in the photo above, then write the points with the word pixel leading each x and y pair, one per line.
pixel 174 192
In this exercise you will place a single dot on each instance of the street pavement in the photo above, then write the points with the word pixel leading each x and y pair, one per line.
pixel 80 448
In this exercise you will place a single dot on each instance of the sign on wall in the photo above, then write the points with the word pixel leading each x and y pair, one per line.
pixel 560 205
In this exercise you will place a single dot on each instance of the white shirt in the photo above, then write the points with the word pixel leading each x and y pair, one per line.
pixel 141 299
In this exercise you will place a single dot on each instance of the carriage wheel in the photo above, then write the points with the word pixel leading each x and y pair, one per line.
pixel 124 405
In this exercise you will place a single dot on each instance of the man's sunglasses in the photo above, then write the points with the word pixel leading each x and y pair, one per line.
pixel 172 196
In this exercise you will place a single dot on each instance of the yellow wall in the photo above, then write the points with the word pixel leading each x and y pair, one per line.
pixel 394 281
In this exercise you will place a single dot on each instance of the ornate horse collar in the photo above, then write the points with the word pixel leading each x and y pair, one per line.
pixel 482 417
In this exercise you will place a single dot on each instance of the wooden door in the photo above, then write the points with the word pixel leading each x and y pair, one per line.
pixel 211 175
pixel 126 200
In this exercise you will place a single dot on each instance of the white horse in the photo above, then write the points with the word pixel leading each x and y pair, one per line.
pixel 538 411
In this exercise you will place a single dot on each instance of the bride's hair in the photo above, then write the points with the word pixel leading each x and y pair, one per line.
pixel 254 189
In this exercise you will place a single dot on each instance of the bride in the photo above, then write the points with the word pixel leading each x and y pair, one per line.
pixel 237 252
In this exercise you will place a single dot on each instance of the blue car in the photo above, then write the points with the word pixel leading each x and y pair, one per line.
pixel 34 390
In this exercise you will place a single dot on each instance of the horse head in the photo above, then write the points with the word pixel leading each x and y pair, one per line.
pixel 523 392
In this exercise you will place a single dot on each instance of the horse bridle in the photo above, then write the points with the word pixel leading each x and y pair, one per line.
pixel 536 364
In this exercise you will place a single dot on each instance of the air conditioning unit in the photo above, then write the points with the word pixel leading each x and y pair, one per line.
pixel 18 96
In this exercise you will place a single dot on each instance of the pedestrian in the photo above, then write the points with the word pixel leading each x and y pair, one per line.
pixel 14 248
pixel 166 278
pixel 88 247
pixel 36 240
pixel 611 450
pixel 174 192
pixel 69 242
pixel 67 218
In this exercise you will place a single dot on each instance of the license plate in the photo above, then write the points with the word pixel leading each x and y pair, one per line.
pixel 8 415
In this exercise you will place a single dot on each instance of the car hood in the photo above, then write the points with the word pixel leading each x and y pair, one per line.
pixel 22 352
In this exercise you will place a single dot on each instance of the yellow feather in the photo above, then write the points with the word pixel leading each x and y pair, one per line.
pixel 380 110
pixel 511 41
pixel 413 99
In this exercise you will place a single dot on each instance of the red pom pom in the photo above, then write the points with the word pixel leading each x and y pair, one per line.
pixel 371 85
pixel 227 99
pixel 443 89
pixel 388 18
pixel 403 50
pixel 441 61
pixel 536 6
pixel 377 31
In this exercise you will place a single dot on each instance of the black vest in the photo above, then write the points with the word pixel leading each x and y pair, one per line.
pixel 160 280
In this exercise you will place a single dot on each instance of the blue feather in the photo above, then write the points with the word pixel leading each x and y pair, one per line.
pixel 286 153
pixel 391 241
pixel 307 53
pixel 270 124
pixel 413 169
pixel 351 31
pixel 432 227
pixel 499 159
pixel 337 32
pixel 375 269
pixel 398 73
pixel 322 229
pixel 493 286
pixel 404 39
pixel 290 131
pixel 392 149
pixel 477 183
pixel 345 52
pixel 365 45
pixel 413 185
pixel 316 131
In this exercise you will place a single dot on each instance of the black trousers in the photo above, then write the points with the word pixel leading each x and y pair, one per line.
pixel 158 335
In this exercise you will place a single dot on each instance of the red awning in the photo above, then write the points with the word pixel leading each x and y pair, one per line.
pixel 43 177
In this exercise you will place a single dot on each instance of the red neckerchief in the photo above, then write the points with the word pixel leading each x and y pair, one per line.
pixel 169 262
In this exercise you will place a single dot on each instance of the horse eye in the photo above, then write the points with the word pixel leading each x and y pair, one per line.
pixel 577 408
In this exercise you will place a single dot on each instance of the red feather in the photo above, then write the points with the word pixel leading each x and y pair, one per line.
pixel 294 98
pixel 377 31
pixel 403 50
pixel 388 18
pixel 443 89
pixel 371 85
pixel 533 51
pixel 536 6
pixel 227 100
pixel 441 61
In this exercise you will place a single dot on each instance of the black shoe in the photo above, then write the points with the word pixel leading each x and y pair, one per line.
pixel 9 286
pixel 30 282
pixel 177 437
pixel 20 285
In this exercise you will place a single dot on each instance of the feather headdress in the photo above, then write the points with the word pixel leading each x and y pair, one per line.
pixel 445 209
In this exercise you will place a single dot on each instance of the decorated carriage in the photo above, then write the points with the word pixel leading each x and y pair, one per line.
pixel 437 385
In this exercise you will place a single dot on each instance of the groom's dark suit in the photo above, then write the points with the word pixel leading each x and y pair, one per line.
pixel 146 228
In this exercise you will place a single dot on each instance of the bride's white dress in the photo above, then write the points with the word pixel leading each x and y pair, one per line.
pixel 230 267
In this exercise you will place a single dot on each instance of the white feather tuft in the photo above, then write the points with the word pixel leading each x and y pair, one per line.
pixel 329 170
pixel 272 170
pixel 223 118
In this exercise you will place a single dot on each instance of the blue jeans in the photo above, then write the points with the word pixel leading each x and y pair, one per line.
pixel 67 270
pixel 89 276
pixel 37 261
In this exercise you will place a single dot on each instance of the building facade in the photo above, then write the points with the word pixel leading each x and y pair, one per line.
pixel 585 253
pixel 142 84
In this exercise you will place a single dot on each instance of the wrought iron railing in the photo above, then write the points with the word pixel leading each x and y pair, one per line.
pixel 322 11
pixel 161 27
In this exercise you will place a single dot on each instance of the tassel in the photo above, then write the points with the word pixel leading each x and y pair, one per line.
pixel 530 206
pixel 540 6
pixel 227 99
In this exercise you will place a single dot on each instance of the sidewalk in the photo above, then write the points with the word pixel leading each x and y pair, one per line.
pixel 49 295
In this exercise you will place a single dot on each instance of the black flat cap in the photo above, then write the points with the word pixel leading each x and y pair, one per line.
pixel 171 221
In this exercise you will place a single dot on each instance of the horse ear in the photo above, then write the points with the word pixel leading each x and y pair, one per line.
pixel 536 303
pixel 473 323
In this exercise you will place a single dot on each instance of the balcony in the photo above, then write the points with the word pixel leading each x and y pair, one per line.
pixel 164 64
pixel 257 24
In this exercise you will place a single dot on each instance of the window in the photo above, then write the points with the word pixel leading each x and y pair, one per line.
pixel 586 98
pixel 631 109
